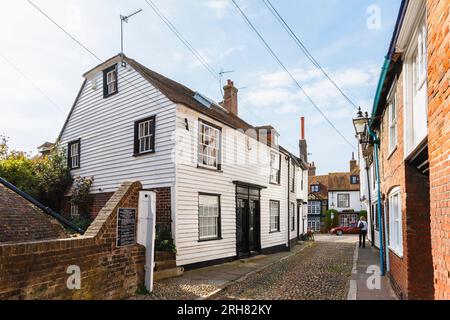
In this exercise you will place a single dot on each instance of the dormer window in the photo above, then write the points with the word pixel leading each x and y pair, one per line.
pixel 315 188
pixel 110 81
pixel 354 179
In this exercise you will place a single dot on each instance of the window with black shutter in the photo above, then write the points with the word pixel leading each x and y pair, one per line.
pixel 144 136
pixel 73 154
pixel 110 83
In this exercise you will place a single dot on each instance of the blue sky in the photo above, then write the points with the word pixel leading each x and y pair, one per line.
pixel 335 32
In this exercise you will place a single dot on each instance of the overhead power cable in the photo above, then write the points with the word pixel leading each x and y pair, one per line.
pixel 188 45
pixel 304 49
pixel 274 55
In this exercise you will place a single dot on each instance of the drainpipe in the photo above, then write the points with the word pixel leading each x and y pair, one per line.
pixel 372 231
pixel 384 70
pixel 288 204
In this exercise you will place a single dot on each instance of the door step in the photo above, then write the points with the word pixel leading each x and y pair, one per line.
pixel 168 273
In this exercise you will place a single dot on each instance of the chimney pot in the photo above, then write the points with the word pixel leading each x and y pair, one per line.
pixel 230 97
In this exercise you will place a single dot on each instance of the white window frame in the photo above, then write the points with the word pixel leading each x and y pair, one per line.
pixel 392 118
pixel 145 136
pixel 339 201
pixel 275 167
pixel 395 222
pixel 74 210
pixel 209 145
pixel 75 156
pixel 274 215
pixel 315 188
pixel 294 172
pixel 208 217
pixel 314 207
pixel 111 81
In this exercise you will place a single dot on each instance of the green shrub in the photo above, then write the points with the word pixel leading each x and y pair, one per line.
pixel 363 213
pixel 164 240
pixel 331 219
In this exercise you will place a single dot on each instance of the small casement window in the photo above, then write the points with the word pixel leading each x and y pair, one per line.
pixel 209 217
pixel 73 155
pixel 74 210
pixel 293 178
pixel 275 163
pixel 209 144
pixel 110 83
pixel 354 179
pixel 343 200
pixel 274 216
pixel 292 216
pixel 315 188
pixel 392 117
pixel 314 207
pixel 144 136
pixel 395 221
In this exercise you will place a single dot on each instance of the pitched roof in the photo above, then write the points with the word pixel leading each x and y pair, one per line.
pixel 21 221
pixel 340 181
pixel 179 93
pixel 322 181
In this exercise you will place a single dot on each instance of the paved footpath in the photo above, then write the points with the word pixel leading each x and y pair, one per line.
pixel 366 282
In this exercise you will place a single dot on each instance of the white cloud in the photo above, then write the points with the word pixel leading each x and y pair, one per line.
pixel 218 6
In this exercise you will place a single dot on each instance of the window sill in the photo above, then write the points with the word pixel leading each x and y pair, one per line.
pixel 273 232
pixel 209 169
pixel 391 153
pixel 105 96
pixel 72 169
pixel 143 153
pixel 275 183
pixel 396 252
pixel 208 240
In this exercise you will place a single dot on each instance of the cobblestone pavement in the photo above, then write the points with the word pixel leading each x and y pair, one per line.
pixel 320 272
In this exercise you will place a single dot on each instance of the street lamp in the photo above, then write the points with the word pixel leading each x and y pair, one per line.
pixel 361 123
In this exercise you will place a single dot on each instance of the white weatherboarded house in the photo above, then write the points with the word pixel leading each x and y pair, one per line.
pixel 225 188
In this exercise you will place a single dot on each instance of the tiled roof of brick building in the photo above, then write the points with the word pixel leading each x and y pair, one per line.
pixel 21 221
pixel 322 181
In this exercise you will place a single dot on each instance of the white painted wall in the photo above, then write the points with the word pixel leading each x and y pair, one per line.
pixel 106 130
pixel 237 164
pixel 355 201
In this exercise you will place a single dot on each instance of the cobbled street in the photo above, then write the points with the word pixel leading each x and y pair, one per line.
pixel 319 272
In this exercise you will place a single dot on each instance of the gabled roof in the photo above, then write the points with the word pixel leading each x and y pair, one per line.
pixel 322 182
pixel 340 181
pixel 179 94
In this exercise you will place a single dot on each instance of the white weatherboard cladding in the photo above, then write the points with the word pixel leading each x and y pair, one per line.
pixel 106 130
pixel 192 180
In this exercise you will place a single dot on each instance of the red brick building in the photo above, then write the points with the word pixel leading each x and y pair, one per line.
pixel 410 118
pixel 438 22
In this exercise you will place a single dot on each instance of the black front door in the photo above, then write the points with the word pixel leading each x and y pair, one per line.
pixel 247 222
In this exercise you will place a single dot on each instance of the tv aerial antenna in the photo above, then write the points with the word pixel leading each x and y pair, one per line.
pixel 221 73
pixel 122 20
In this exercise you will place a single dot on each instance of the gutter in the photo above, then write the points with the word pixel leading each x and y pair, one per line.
pixel 289 203
pixel 47 210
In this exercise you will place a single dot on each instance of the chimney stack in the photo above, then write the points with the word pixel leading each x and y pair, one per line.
pixel 303 148
pixel 230 97
pixel 312 169
pixel 353 163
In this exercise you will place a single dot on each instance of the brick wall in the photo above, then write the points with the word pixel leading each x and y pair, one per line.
pixel 439 141
pixel 37 270
pixel 412 273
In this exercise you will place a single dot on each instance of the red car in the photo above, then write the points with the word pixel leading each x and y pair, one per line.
pixel 352 229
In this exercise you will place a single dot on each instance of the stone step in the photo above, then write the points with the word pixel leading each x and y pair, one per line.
pixel 163 265
pixel 168 273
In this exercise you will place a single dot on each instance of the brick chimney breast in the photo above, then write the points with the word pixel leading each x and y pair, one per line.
pixel 230 97
pixel 353 163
